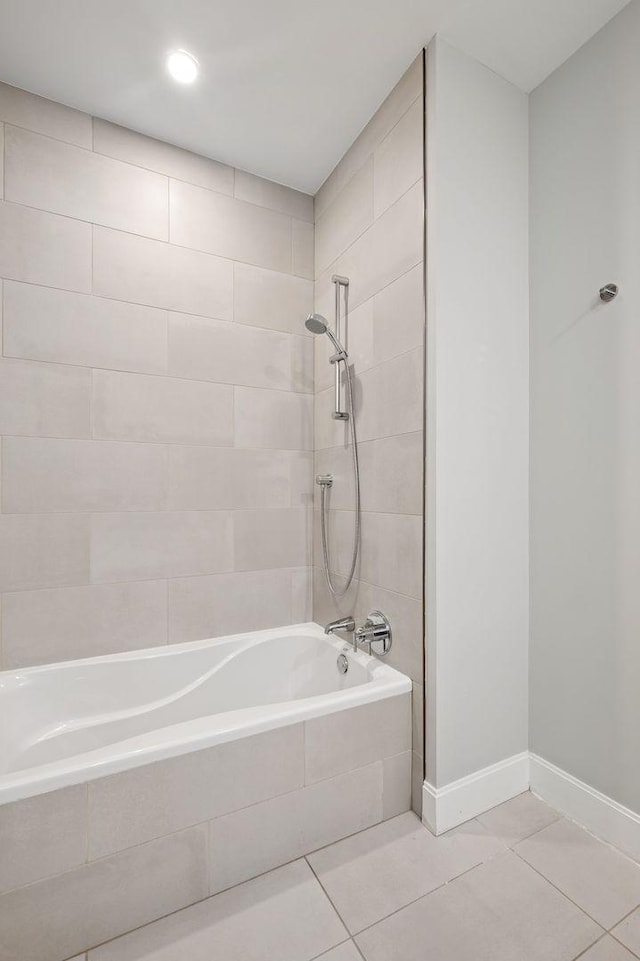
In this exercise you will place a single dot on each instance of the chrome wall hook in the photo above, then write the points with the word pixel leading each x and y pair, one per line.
pixel 608 293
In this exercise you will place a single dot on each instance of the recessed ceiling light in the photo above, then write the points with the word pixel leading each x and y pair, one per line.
pixel 182 66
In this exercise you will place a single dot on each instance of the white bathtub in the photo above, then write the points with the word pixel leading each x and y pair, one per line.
pixel 68 723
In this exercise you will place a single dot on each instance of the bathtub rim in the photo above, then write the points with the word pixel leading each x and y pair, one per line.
pixel 194 735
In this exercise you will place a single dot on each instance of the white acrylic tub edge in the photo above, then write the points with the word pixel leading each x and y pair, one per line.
pixel 201 732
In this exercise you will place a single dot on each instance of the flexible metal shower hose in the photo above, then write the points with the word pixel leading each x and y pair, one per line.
pixel 323 501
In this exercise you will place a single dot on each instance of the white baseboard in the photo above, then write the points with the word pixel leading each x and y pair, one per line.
pixel 446 807
pixel 596 812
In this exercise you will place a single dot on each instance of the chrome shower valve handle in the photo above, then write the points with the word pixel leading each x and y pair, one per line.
pixel 375 630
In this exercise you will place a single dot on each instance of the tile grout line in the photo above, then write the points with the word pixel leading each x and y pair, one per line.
pixel 169 310
pixel 413 900
pixel 91 149
pixel 154 239
pixel 382 138
pixel 559 890
pixel 327 895
pixel 323 954
pixel 587 949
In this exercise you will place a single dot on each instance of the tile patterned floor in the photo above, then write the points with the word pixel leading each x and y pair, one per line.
pixel 520 883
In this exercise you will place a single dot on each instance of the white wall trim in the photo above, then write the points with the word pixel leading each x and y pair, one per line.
pixel 599 814
pixel 446 807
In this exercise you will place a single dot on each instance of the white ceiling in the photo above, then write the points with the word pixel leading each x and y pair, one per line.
pixel 285 85
pixel 525 40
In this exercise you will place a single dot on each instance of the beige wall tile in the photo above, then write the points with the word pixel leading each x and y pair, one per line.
pixel 45 474
pixel 205 220
pixel 151 545
pixel 392 552
pixel 265 298
pixel 385 343
pixel 301 478
pixel 161 409
pixel 43 248
pixel 303 249
pixel 41 323
pixel 42 835
pixel 55 176
pixel 376 731
pixel 266 193
pixel 392 475
pixel 302 596
pixel 391 247
pixel 404 613
pixel 273 419
pixel 357 334
pixel 345 219
pixel 338 461
pixel 282 915
pixel 341 528
pixel 417 782
pixel 396 785
pixel 53 919
pixel 301 364
pixel 203 349
pixel 216 605
pixel 44 399
pixel 391 397
pixel 143 271
pixel 39 627
pixel 405 616
pixel 44 116
pixel 386 117
pixel 399 159
pixel 202 478
pixel 155 799
pixel 327 192
pixel 270 538
pixel 417 714
pixel 43 550
pixel 399 316
pixel 164 158
pixel 264 836
pixel 329 433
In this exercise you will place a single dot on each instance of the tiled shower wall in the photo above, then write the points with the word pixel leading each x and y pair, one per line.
pixel 369 219
pixel 155 391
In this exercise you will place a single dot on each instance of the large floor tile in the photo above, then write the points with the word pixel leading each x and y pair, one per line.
pixel 281 916
pixel 519 818
pixel 500 911
pixel 374 873
pixel 601 880
pixel 628 931
pixel 344 952
pixel 607 950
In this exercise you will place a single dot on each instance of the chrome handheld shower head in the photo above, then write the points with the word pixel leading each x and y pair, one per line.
pixel 317 324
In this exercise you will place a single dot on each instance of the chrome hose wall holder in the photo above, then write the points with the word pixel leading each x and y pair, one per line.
pixel 375 630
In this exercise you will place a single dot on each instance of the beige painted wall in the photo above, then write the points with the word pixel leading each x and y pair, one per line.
pixel 370 227
pixel 156 387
